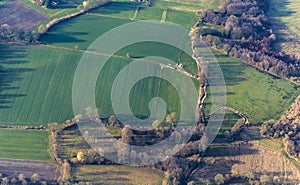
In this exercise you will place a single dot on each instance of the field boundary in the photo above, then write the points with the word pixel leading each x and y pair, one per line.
pixel 23 127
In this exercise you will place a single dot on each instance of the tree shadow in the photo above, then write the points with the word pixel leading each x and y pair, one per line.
pixel 277 11
pixel 70 37
pixel 10 73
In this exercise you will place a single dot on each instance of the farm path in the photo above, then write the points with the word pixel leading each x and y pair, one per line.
pixel 164 16
pixel 135 13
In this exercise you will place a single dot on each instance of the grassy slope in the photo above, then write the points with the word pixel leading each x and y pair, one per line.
pixel 288 11
pixel 24 144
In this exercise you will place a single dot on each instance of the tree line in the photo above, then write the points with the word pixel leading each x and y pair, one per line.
pixel 241 29
pixel 10 34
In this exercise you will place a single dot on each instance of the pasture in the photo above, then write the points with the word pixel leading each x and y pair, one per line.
pixel 258 95
pixel 24 144
pixel 114 175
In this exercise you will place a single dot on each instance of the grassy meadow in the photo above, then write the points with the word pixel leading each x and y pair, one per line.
pixel 258 95
pixel 24 144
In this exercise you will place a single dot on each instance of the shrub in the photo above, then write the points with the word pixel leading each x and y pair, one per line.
pixel 219 179
pixel 35 177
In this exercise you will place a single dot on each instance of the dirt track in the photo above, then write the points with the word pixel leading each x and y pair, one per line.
pixel 12 168
pixel 19 16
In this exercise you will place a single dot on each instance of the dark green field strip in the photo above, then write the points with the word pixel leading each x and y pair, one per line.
pixel 150 14
pixel 123 10
pixel 186 5
pixel 24 144
pixel 91 27
pixel 185 19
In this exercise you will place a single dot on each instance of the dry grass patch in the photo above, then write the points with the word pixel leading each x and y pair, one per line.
pixel 240 158
pixel 111 175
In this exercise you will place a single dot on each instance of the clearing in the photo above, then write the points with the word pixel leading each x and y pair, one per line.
pixel 258 95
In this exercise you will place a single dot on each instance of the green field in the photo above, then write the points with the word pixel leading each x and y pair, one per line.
pixel 288 11
pixel 24 144
pixel 181 13
pixel 38 79
pixel 258 95
pixel 67 35
pixel 115 175
pixel 187 5
pixel 41 89
pixel 38 85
